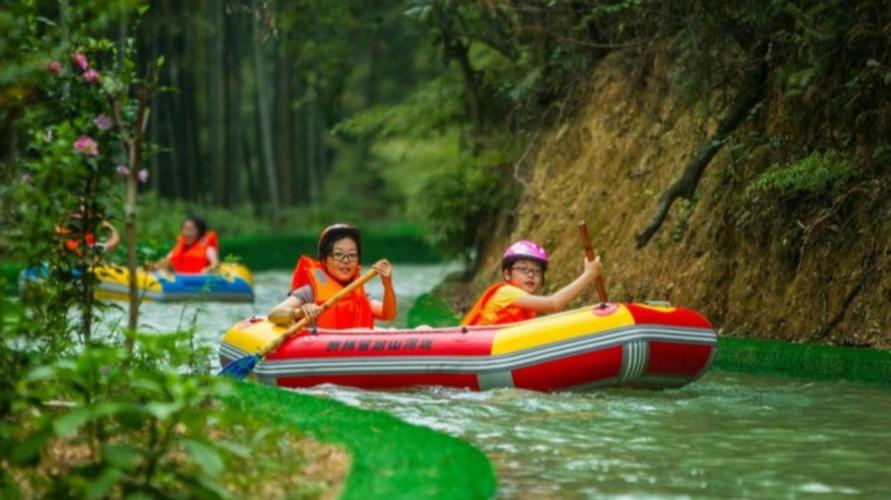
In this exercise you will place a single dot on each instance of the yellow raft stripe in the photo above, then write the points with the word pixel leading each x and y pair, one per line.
pixel 254 337
pixel 120 276
pixel 550 330
pixel 231 271
pixel 109 295
pixel 146 281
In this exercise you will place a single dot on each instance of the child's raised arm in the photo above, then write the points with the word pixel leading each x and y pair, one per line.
pixel 558 300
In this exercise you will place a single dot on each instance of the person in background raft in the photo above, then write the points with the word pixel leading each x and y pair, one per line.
pixel 523 266
pixel 314 282
pixel 196 249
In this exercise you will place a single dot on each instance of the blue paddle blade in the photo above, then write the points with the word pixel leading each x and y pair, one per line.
pixel 241 367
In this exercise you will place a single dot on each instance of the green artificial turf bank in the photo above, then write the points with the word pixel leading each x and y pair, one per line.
pixel 776 357
pixel 390 458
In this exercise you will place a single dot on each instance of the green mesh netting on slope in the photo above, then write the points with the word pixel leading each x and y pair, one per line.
pixel 775 357
pixel 389 458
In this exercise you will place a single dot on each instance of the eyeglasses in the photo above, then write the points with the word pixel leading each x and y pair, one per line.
pixel 528 271
pixel 345 257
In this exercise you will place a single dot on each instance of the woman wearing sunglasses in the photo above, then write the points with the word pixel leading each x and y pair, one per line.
pixel 523 266
pixel 315 281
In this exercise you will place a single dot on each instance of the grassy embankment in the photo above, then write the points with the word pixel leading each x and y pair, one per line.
pixel 768 357
pixel 390 458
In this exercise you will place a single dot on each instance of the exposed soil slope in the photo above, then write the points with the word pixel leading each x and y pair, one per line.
pixel 814 270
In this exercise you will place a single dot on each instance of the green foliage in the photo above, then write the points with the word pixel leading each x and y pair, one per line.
pixel 449 184
pixel 138 427
pixel 882 155
pixel 9 275
pixel 436 104
pixel 459 201
pixel 817 174
pixel 91 421
pixel 681 219
pixel 59 189
pixel 359 193
pixel 431 310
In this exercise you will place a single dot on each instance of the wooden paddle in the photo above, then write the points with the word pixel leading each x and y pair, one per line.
pixel 242 367
pixel 589 252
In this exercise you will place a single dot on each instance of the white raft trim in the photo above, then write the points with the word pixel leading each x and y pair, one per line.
pixel 634 360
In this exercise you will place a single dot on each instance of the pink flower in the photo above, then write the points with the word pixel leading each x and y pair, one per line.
pixel 86 146
pixel 26 178
pixel 91 76
pixel 103 122
pixel 143 175
pixel 122 170
pixel 80 60
pixel 54 67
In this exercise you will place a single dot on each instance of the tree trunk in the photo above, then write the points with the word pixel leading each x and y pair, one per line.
pixel 283 127
pixel 254 175
pixel 179 165
pixel 234 187
pixel 321 130
pixel 158 175
pixel 455 49
pixel 751 93
pixel 190 121
pixel 265 121
pixel 310 148
pixel 217 103
pixel 134 142
pixel 300 159
pixel 460 51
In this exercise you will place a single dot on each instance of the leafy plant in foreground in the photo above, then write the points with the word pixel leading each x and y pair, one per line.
pixel 101 425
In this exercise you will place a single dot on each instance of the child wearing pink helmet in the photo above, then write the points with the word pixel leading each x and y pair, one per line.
pixel 523 266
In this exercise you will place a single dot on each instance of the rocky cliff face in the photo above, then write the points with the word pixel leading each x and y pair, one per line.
pixel 812 270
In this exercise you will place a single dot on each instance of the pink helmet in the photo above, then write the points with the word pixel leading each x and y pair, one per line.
pixel 525 249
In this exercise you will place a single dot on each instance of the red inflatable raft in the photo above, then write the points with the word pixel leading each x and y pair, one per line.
pixel 607 345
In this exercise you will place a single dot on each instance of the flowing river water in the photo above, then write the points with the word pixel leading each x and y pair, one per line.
pixel 725 435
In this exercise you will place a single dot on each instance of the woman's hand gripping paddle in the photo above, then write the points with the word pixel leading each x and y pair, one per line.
pixel 242 367
pixel 589 253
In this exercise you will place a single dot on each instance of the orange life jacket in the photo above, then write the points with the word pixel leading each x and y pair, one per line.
pixel 352 311
pixel 193 259
pixel 509 314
